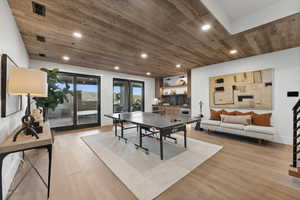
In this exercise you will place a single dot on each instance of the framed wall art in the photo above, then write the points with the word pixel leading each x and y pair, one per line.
pixel 246 90
pixel 9 104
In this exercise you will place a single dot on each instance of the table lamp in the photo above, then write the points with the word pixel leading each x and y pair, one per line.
pixel 29 82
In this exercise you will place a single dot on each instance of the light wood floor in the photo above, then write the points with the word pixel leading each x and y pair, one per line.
pixel 242 170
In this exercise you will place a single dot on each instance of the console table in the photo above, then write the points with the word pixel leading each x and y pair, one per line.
pixel 25 143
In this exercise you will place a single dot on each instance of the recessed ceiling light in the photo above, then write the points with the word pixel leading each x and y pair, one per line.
pixel 144 55
pixel 233 51
pixel 116 67
pixel 77 35
pixel 66 58
pixel 148 73
pixel 178 65
pixel 205 27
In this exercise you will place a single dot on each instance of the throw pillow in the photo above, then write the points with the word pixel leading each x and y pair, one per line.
pixel 215 115
pixel 236 119
pixel 262 119
pixel 244 113
pixel 229 113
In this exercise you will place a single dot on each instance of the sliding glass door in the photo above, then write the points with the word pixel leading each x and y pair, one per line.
pixel 121 96
pixel 128 95
pixel 87 97
pixel 136 96
pixel 83 107
pixel 63 115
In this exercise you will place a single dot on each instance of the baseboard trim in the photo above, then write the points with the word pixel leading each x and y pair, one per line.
pixel 283 140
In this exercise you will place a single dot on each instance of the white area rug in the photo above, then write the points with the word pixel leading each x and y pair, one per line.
pixel 146 175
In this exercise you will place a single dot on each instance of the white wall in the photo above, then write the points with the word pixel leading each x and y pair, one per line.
pixel 286 65
pixel 254 13
pixel 106 84
pixel 265 15
pixel 10 43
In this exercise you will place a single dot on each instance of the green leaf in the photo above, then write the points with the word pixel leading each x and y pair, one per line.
pixel 56 95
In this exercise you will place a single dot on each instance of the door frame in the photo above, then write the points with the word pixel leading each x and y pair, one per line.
pixel 75 125
pixel 129 96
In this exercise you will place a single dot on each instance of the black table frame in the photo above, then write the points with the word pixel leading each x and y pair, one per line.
pixel 49 149
pixel 163 133
pixel 120 123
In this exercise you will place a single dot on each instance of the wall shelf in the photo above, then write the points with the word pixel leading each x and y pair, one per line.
pixel 169 95
pixel 166 87
pixel 174 86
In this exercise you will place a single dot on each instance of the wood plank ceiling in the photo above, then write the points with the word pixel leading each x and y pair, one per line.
pixel 116 32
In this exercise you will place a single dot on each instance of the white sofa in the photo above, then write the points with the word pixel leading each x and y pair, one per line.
pixel 258 132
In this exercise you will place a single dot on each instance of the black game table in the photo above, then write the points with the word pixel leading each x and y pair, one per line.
pixel 163 124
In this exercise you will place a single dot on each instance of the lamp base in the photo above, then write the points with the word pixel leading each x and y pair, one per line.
pixel 198 127
pixel 198 124
pixel 27 120
pixel 27 131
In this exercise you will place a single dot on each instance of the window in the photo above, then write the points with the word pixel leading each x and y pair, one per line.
pixel 128 95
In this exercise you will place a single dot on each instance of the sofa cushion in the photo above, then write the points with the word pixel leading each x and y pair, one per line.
pixel 260 129
pixel 233 126
pixel 211 122
pixel 236 119
pixel 215 115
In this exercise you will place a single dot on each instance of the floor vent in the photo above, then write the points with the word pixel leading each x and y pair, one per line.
pixel 38 9
pixel 40 38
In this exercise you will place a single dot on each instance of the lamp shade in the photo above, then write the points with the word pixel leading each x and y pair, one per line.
pixel 23 81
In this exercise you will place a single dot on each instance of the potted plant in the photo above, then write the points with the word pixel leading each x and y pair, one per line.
pixel 137 105
pixel 56 94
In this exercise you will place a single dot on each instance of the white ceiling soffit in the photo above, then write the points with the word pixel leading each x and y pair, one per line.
pixel 240 15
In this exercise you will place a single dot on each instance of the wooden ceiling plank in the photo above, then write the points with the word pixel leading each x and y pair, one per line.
pixel 126 38
pixel 116 32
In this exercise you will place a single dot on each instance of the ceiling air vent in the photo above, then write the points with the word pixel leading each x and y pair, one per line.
pixel 38 9
pixel 42 55
pixel 40 38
